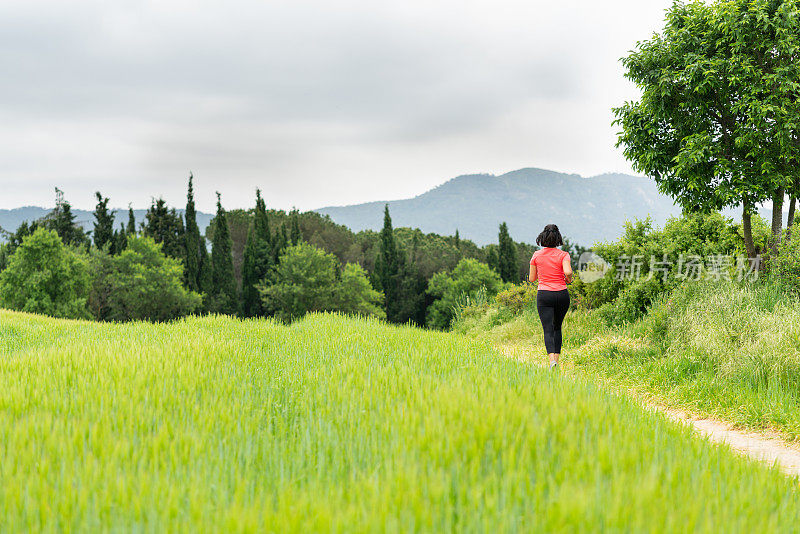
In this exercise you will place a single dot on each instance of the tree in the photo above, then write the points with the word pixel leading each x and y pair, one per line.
pixel 141 283
pixel 45 276
pixel 388 268
pixel 103 223
pixel 261 219
pixel 257 264
pixel 492 260
pixel 296 234
pixel 223 280
pixel 192 242
pixel 165 226
pixel 279 243
pixel 119 240
pixel 507 256
pixel 715 125
pixel 62 220
pixel 131 228
pixel 469 277
pixel 307 279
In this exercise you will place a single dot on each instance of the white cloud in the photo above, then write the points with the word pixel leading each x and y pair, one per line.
pixel 315 102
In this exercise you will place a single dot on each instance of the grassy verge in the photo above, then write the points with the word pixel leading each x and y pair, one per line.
pixel 719 348
pixel 339 424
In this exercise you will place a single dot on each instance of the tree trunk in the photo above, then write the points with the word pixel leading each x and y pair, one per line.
pixel 777 219
pixel 790 220
pixel 747 231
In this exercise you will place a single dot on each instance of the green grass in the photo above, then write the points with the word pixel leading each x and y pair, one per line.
pixel 217 424
pixel 723 349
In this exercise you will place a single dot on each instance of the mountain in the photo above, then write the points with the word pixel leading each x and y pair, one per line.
pixel 586 210
pixel 11 219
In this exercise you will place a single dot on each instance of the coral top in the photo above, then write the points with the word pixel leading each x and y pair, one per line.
pixel 550 269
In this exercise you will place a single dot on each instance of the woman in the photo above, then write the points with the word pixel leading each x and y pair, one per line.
pixel 552 268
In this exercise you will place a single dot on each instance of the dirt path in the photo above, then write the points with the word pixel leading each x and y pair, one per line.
pixel 770 450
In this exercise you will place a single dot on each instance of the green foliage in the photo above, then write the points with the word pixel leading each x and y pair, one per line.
pixel 296 235
pixel 103 223
pixel 165 226
pixel 141 283
pixel 192 242
pixel 258 260
pixel 355 295
pixel 716 124
pixel 119 240
pixel 784 269
pixel 469 277
pixel 388 267
pixel 223 298
pixel 62 221
pixel 131 228
pixel 507 256
pixel 693 234
pixel 518 297
pixel 44 276
pixel 307 279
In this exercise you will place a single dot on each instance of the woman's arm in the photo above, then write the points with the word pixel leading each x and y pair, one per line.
pixel 567 266
pixel 533 274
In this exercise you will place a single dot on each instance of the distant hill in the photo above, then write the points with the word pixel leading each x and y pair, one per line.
pixel 585 209
pixel 11 219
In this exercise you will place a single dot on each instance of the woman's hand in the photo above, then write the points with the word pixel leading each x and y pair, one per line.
pixel 567 266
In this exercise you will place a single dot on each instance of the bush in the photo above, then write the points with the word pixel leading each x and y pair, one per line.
pixel 784 268
pixel 44 276
pixel 633 302
pixel 468 279
pixel 518 297
pixel 141 283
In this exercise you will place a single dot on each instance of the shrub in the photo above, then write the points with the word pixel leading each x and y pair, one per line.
pixel 518 297
pixel 784 268
pixel 468 278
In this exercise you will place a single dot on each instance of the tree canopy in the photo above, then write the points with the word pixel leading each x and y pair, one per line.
pixel 716 123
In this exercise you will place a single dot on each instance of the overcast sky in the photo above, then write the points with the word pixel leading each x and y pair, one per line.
pixel 316 102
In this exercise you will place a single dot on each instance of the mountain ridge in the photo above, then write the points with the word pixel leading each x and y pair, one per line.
pixel 587 209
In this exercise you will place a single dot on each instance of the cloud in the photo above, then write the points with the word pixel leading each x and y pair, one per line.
pixel 317 102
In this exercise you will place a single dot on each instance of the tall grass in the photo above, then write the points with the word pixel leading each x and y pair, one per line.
pixel 336 424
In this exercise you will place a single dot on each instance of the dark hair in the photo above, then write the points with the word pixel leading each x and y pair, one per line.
pixel 550 237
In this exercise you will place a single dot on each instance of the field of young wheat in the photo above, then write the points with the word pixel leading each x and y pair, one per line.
pixel 339 424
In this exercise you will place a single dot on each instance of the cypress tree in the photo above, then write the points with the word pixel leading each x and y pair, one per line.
pixel 222 275
pixel 296 235
pixel 507 256
pixel 103 223
pixel 388 267
pixel 192 242
pixel 457 240
pixel 131 229
pixel 120 240
pixel 258 260
pixel 204 281
pixel 261 220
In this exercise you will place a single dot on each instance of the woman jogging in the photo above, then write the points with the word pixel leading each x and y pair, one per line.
pixel 552 268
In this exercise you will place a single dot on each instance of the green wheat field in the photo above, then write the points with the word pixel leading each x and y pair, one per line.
pixel 339 424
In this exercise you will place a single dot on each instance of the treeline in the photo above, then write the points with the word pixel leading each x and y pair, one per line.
pixel 261 262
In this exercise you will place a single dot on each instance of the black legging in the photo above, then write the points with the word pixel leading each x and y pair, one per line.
pixel 552 307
